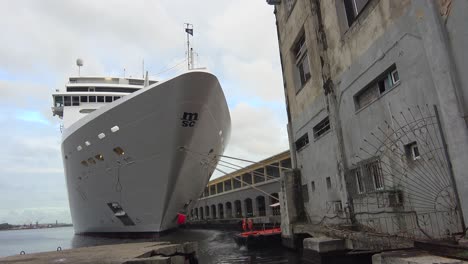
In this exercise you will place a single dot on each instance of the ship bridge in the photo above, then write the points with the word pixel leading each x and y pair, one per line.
pixel 83 95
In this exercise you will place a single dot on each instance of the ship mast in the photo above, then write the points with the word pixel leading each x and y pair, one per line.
pixel 189 31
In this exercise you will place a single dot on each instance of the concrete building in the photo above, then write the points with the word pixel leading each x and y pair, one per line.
pixel 376 96
pixel 247 192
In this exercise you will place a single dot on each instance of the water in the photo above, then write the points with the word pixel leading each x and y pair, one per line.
pixel 214 246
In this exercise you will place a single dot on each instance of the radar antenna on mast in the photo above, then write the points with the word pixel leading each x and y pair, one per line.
pixel 79 63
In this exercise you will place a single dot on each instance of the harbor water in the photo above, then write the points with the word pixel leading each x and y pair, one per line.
pixel 214 246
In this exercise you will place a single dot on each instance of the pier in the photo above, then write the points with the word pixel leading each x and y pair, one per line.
pixel 131 253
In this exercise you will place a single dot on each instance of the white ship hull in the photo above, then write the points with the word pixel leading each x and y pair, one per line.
pixel 160 171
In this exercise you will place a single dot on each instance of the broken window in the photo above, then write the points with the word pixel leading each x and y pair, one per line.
pixel 302 69
pixel 322 127
pixel 353 8
pixel 386 81
pixel 302 142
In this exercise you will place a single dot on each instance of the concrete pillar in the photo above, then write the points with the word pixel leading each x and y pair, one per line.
pixel 434 38
pixel 255 207
pixel 244 208
pixel 288 209
pixel 268 208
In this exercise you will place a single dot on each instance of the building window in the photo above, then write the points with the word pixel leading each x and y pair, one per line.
pixel 412 151
pixel 312 184
pixel 385 82
pixel 328 183
pixel 108 99
pixel 302 142
pixel 322 127
pixel 374 171
pixel 227 185
pixel 237 182
pixel 359 181
pixel 302 69
pixel 305 193
pixel 116 97
pixel 212 189
pixel 100 99
pixel 75 100
pixel 353 8
pixel 219 187
pixel 84 99
pixel 92 99
pixel 58 101
pixel 67 100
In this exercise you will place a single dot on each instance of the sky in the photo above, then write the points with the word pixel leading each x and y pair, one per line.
pixel 41 41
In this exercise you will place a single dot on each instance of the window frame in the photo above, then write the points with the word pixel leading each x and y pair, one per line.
pixel 321 128
pixel 301 59
pixel 304 138
pixel 356 13
pixel 374 88
pixel 360 186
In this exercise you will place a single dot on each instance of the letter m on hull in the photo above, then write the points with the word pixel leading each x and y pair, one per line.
pixel 189 119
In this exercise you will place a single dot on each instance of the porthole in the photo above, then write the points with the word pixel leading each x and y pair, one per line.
pixel 99 157
pixel 114 129
pixel 91 161
pixel 119 151
pixel 79 148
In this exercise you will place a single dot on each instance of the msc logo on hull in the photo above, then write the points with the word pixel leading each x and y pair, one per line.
pixel 189 119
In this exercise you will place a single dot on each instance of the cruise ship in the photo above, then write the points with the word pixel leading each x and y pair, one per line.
pixel 137 152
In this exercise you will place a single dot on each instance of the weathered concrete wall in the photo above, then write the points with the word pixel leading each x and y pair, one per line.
pixel 458 40
pixel 386 33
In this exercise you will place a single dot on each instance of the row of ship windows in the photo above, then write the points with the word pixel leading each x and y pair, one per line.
pixel 92 161
pixel 76 100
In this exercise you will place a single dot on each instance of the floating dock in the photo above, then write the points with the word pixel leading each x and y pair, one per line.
pixel 130 253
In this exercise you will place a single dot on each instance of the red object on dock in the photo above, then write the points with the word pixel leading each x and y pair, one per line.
pixel 259 238
pixel 181 219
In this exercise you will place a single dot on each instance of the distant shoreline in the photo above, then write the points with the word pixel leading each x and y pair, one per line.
pixel 8 227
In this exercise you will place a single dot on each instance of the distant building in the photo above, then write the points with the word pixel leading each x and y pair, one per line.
pixel 361 79
pixel 247 192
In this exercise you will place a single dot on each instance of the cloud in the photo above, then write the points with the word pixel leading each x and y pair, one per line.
pixel 31 116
